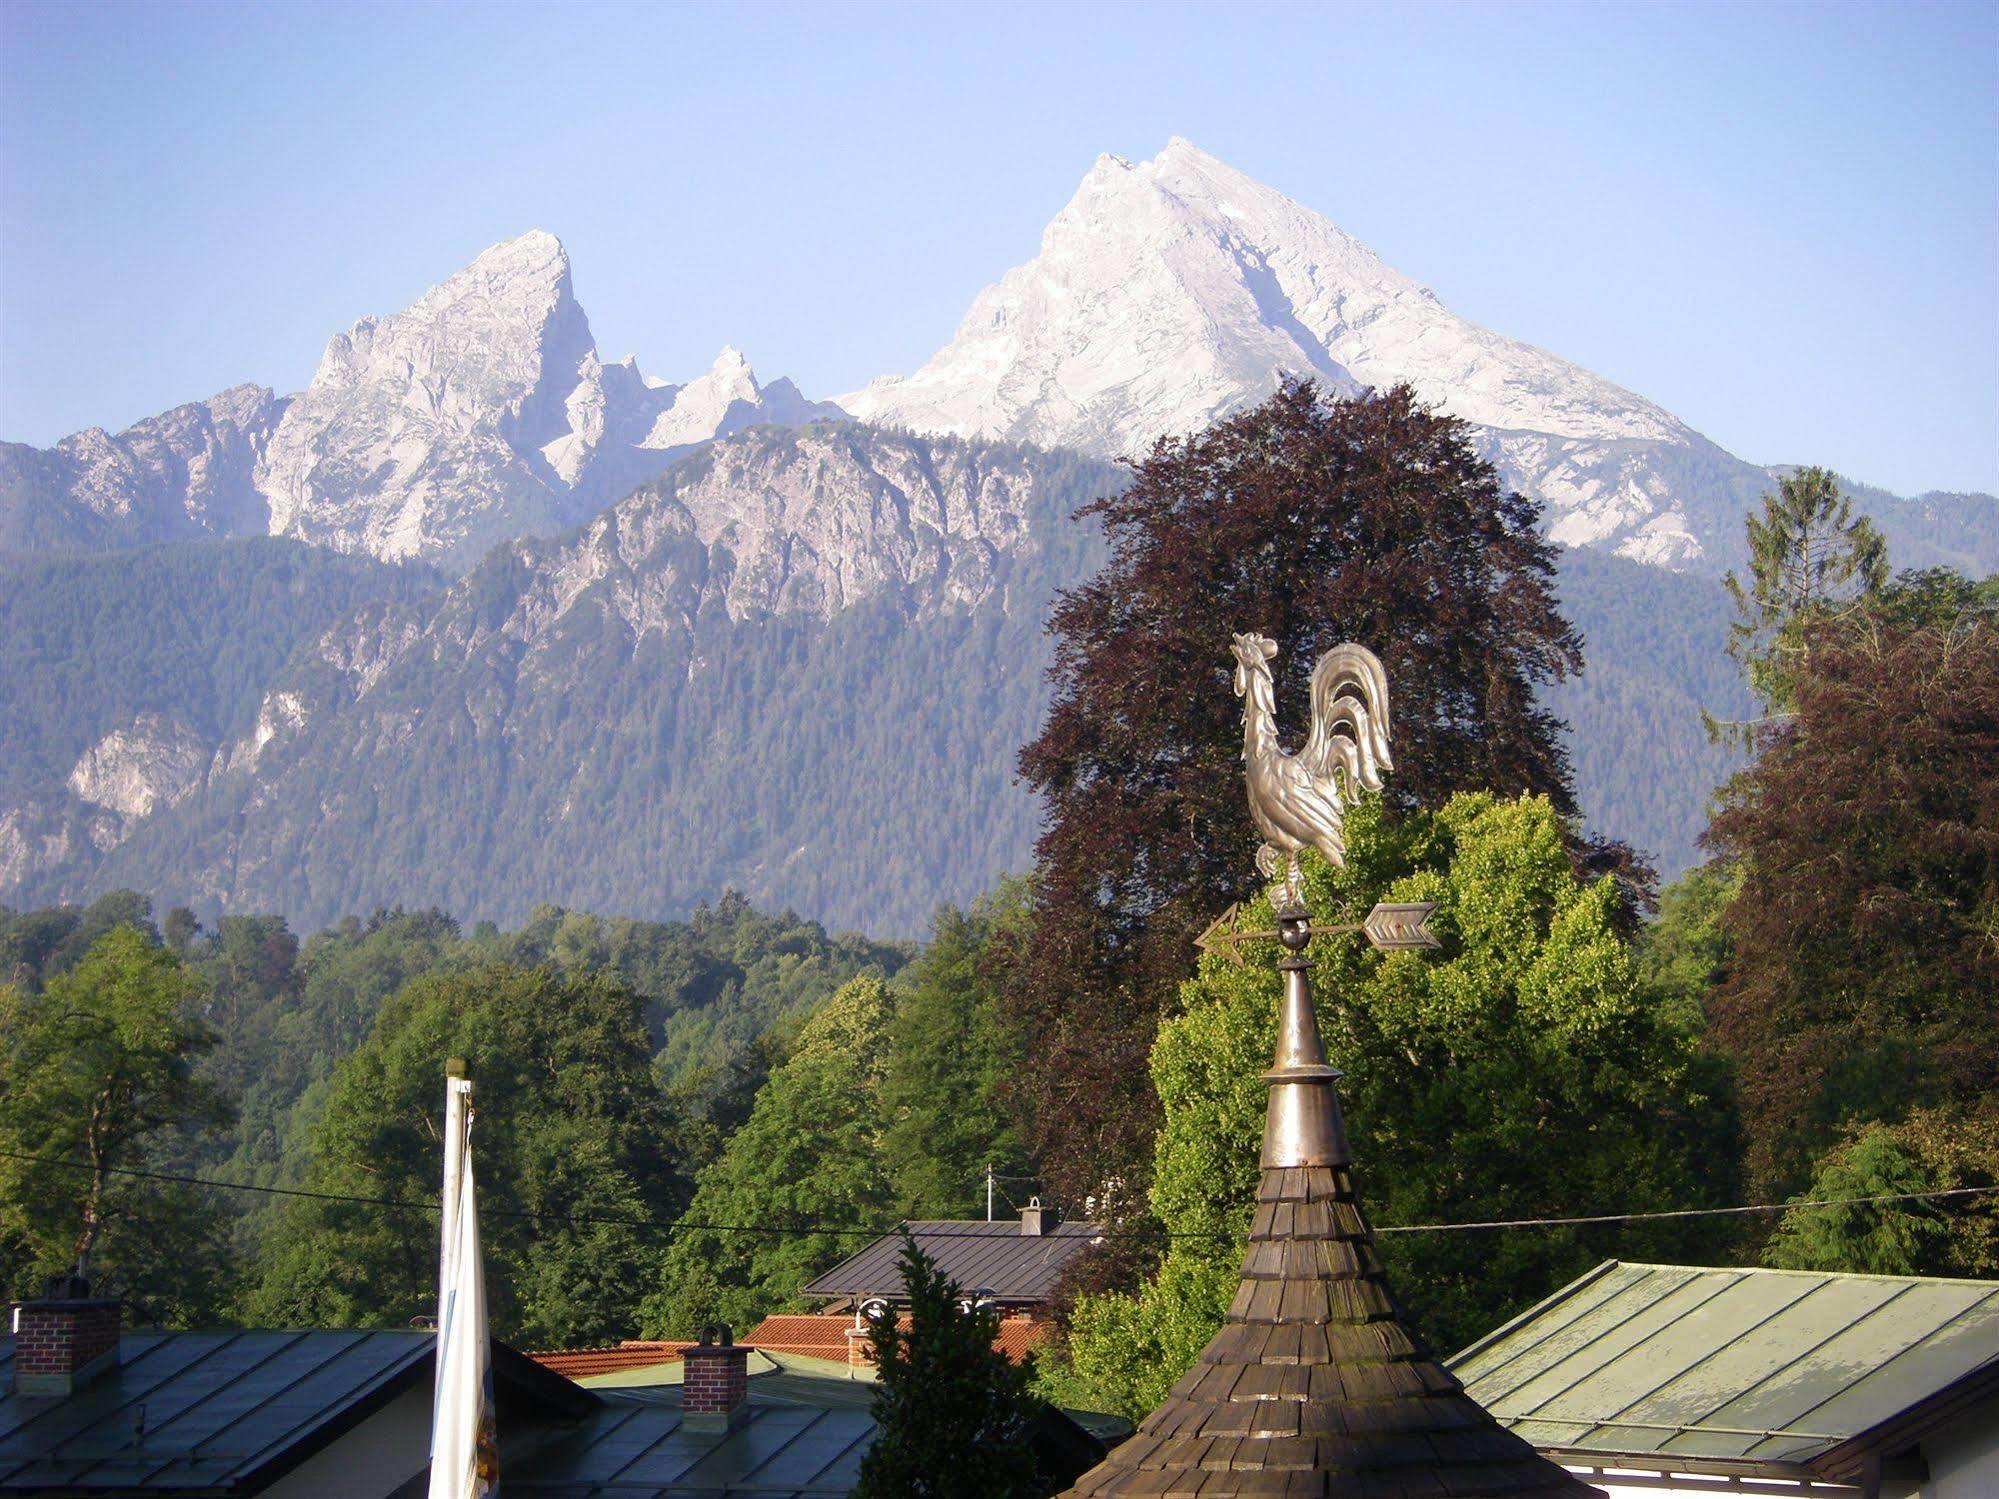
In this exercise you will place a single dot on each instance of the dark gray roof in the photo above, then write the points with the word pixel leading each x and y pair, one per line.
pixel 1749 1371
pixel 224 1411
pixel 636 1446
pixel 1016 1268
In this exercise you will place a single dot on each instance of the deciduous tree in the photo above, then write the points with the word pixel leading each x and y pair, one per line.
pixel 1524 1071
pixel 565 1145
pixel 809 1155
pixel 1867 830
pixel 97 1072
pixel 1312 521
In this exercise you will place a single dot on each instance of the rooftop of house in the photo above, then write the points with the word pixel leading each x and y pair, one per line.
pixel 1754 1372
pixel 808 1421
pixel 587 1364
pixel 808 1334
pixel 638 1442
pixel 224 1412
pixel 1013 1261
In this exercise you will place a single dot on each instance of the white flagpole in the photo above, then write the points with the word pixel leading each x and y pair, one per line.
pixel 464 1461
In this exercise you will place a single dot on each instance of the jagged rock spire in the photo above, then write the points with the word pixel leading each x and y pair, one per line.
pixel 1314 1386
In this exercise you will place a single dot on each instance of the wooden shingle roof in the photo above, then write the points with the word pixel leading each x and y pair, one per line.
pixel 1313 1386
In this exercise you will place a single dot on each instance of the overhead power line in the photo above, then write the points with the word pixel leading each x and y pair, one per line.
pixel 801 1230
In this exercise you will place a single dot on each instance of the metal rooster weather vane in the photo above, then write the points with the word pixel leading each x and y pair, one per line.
pixel 1299 801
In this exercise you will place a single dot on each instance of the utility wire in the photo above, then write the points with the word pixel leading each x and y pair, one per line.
pixel 779 1230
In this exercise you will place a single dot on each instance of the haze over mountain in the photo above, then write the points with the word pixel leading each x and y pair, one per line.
pixel 1171 292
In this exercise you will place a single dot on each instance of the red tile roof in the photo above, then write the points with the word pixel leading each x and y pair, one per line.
pixel 809 1336
pixel 804 1334
pixel 826 1337
pixel 633 1353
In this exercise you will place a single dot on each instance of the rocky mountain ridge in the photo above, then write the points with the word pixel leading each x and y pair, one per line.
pixel 480 414
pixel 663 702
pixel 530 732
pixel 1171 292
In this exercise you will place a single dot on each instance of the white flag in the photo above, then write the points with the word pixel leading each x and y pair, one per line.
pixel 464 1452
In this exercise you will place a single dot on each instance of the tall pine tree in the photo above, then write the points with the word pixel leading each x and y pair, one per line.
pixel 1811 561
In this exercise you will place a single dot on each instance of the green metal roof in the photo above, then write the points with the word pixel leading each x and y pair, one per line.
pixel 1739 1370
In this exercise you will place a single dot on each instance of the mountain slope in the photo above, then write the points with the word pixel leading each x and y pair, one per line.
pixel 1171 292
pixel 187 473
pixel 121 675
pixel 800 665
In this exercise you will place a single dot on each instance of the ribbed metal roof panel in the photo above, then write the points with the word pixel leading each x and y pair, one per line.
pixel 996 1257
pixel 217 1407
pixel 1750 1366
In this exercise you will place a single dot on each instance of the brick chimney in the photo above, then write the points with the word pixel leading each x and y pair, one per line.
pixel 861 1336
pixel 860 1346
pixel 64 1339
pixel 1035 1220
pixel 715 1394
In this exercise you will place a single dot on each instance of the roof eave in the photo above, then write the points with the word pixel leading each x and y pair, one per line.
pixel 1848 1461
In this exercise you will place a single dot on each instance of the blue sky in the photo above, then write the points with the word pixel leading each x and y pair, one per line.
pixel 1780 222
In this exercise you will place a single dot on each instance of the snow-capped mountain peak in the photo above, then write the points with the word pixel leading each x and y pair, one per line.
pixel 1170 292
pixel 482 413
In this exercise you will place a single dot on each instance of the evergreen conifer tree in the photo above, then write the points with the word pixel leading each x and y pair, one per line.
pixel 953 1412
pixel 1811 562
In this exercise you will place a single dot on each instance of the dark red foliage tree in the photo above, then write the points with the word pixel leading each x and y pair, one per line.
pixel 1865 977
pixel 1311 521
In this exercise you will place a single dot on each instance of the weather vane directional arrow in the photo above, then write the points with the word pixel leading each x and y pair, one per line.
pixel 1392 926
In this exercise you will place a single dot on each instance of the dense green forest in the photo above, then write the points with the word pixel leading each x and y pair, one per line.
pixel 195 631
pixel 456 781
pixel 292 1028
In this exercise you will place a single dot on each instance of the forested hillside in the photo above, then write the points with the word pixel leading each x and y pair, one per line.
pixel 123 675
pixel 669 701
pixel 194 631
pixel 607 721
pixel 1654 658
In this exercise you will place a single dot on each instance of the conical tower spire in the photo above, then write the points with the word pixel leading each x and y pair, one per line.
pixel 1314 1385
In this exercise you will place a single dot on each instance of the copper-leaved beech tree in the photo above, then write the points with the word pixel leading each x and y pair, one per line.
pixel 1311 521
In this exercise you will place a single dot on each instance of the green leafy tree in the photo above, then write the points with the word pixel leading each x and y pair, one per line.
pixel 1681 954
pixel 37 945
pixel 1867 832
pixel 809 1154
pixel 1812 561
pixel 1930 1151
pixel 952 1413
pixel 950 1056
pixel 97 1073
pixel 1524 1071
pixel 1313 521
pixel 565 1146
